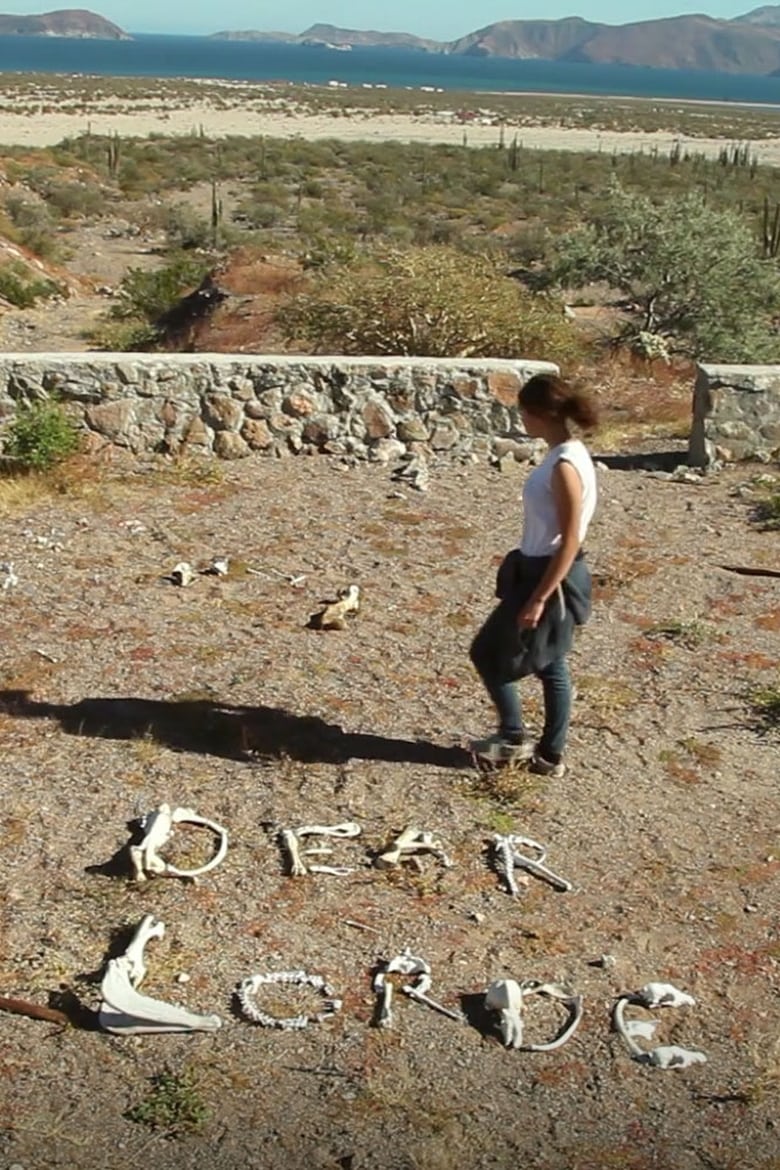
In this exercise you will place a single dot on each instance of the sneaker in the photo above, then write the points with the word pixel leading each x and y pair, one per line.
pixel 542 767
pixel 497 749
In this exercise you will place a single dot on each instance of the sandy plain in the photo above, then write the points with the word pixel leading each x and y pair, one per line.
pixel 47 126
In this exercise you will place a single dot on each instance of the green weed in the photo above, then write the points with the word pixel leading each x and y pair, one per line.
pixel 173 1104
pixel 765 706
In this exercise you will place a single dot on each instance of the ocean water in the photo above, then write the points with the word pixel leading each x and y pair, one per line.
pixel 200 57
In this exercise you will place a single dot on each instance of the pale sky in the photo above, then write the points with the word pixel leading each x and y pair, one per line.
pixel 439 19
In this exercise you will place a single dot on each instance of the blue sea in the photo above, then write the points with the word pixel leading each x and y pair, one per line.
pixel 201 57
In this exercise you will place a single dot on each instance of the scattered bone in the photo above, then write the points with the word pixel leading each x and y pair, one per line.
pixel 293 579
pixel 159 827
pixel 672 1056
pixel 334 615
pixel 508 856
pixel 292 848
pixel 505 997
pixel 360 925
pixel 43 654
pixel 653 995
pixel 407 964
pixel 124 1011
pixel 409 843
pixel 182 574
pixel 44 541
pixel 664 995
pixel 8 576
pixel 345 829
pixel 508 997
pixel 414 472
pixel 219 567
pixel 291 843
pixel 333 870
pixel 250 986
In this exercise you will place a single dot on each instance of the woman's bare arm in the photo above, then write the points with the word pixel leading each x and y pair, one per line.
pixel 567 493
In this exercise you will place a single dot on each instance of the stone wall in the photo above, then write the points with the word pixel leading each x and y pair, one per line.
pixel 736 414
pixel 232 406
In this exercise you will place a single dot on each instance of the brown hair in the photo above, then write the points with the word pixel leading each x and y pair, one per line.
pixel 551 395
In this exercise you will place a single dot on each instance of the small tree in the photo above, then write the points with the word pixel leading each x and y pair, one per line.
pixel 429 301
pixel 694 272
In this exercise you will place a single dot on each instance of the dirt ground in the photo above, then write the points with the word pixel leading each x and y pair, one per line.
pixel 120 690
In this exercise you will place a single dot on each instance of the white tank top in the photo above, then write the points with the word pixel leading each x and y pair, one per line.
pixel 541 528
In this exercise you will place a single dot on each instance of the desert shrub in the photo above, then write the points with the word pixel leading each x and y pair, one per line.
pixel 433 301
pixel 258 214
pixel 129 336
pixel 147 295
pixel 186 228
pixel 40 436
pixel 694 272
pixel 23 288
pixel 75 199
pixel 25 212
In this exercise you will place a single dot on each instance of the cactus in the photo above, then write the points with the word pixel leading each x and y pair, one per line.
pixel 216 214
pixel 112 152
pixel 771 231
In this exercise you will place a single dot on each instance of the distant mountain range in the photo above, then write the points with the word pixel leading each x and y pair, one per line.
pixel 747 44
pixel 65 22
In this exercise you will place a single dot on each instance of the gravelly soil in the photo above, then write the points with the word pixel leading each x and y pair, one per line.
pixel 218 696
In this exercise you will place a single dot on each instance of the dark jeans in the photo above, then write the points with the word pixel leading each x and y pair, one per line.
pixel 491 652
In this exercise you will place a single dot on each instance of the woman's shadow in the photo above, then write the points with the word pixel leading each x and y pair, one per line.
pixel 229 731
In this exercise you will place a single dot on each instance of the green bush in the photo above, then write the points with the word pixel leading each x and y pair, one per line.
pixel 40 436
pixel 146 295
pixel 22 288
pixel 432 302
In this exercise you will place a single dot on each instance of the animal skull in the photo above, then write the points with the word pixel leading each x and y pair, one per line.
pixel 507 997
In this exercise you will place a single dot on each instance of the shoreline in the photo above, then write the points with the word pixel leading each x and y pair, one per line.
pixel 50 127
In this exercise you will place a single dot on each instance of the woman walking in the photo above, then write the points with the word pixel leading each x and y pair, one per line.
pixel 544 585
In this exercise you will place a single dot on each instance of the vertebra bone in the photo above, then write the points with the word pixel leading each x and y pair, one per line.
pixel 124 1011
pixel 509 856
pixel 408 843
